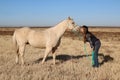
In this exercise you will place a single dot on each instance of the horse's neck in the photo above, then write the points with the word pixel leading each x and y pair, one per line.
pixel 60 28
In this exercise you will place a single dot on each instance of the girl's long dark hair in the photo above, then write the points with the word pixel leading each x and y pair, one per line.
pixel 85 29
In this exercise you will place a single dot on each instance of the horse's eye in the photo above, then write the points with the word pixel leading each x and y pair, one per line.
pixel 73 23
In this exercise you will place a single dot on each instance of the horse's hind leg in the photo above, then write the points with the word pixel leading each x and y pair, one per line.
pixel 47 51
pixel 21 51
pixel 17 57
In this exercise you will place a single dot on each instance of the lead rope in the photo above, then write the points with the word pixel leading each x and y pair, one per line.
pixel 93 57
pixel 86 51
pixel 80 37
pixel 88 55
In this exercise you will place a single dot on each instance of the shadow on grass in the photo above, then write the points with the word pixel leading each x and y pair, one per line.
pixel 62 58
pixel 106 58
pixel 65 57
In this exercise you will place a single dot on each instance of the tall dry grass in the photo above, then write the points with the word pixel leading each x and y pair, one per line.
pixel 72 62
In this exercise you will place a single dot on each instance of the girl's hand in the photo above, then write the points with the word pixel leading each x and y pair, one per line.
pixel 92 49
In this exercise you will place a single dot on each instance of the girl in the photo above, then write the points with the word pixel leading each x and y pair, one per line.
pixel 94 43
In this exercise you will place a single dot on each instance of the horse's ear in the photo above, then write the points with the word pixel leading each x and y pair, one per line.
pixel 69 18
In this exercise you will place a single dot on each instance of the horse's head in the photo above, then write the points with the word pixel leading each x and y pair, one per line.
pixel 70 23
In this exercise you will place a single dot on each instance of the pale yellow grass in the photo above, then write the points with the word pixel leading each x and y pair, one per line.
pixel 72 63
pixel 112 29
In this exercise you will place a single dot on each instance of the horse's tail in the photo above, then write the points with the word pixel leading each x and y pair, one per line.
pixel 15 42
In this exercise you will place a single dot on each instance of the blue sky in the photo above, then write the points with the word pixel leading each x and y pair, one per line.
pixel 51 12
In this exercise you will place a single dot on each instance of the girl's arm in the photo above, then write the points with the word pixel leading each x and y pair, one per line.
pixel 88 36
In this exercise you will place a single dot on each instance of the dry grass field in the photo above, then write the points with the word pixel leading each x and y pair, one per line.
pixel 71 61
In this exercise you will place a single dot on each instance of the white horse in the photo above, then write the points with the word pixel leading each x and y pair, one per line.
pixel 50 38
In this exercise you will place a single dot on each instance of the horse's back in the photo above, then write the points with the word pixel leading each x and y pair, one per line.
pixel 37 38
pixel 23 30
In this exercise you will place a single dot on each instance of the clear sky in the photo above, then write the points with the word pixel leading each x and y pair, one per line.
pixel 51 12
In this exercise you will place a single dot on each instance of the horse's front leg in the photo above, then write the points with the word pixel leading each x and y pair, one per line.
pixel 47 51
pixel 54 55
pixel 54 49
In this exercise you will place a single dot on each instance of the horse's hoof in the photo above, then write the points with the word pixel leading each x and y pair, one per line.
pixel 22 64
pixel 16 63
pixel 54 63
pixel 42 62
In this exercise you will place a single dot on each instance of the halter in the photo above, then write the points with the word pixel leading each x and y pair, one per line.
pixel 68 24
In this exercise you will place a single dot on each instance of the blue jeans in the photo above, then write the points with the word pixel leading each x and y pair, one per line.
pixel 95 54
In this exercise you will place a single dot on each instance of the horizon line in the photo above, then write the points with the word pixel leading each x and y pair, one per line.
pixel 52 26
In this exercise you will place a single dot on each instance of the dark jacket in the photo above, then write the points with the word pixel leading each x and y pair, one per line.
pixel 91 39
